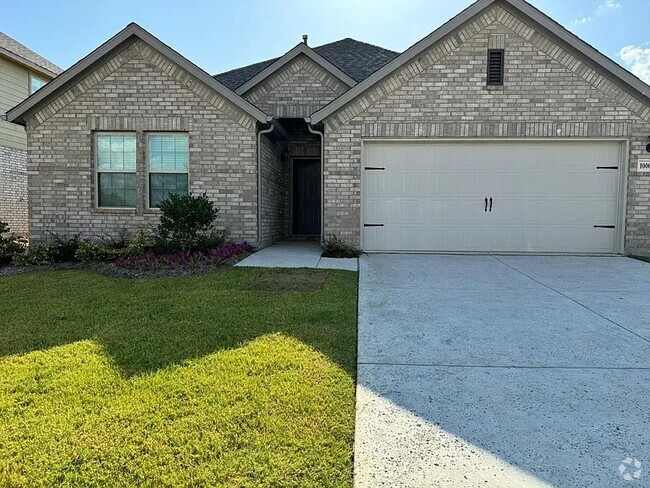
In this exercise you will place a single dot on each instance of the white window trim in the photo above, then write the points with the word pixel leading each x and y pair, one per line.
pixel 29 82
pixel 97 171
pixel 175 172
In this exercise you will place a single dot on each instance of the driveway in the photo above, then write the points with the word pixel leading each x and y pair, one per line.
pixel 497 371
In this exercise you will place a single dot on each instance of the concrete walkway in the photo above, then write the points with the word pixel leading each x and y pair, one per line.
pixel 296 255
pixel 491 371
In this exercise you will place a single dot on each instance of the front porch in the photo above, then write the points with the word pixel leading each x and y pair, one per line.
pixel 291 183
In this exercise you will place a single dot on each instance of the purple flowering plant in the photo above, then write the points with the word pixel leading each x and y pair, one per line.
pixel 221 254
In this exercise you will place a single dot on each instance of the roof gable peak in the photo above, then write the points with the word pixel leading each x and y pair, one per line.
pixel 21 112
pixel 300 49
pixel 548 26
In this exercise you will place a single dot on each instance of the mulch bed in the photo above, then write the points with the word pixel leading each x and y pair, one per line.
pixel 113 271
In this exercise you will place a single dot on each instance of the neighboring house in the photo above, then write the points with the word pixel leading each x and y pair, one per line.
pixel 22 72
pixel 500 131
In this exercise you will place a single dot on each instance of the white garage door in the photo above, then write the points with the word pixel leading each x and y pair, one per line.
pixel 559 197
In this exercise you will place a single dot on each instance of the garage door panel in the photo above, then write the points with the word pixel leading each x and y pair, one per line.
pixel 547 197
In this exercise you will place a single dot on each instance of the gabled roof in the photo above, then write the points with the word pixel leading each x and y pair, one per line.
pixel 19 112
pixel 549 25
pixel 300 49
pixel 14 50
pixel 355 59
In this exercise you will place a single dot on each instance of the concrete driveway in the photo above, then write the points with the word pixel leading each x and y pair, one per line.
pixel 498 371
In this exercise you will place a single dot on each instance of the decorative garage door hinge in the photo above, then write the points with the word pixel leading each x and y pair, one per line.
pixel 374 168
pixel 373 225
pixel 604 227
pixel 606 167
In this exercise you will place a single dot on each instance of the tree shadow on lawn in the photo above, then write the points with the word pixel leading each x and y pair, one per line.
pixel 149 324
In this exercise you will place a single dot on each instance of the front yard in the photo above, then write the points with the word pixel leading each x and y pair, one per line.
pixel 210 380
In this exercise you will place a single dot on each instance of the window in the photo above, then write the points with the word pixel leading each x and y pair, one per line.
pixel 495 67
pixel 116 179
pixel 35 83
pixel 168 161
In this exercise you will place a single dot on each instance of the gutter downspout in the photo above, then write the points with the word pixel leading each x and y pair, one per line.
pixel 270 129
pixel 322 177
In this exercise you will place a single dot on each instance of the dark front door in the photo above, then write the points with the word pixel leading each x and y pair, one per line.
pixel 306 197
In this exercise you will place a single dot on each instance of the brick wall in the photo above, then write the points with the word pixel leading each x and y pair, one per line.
pixel 138 90
pixel 548 93
pixel 297 90
pixel 274 188
pixel 13 189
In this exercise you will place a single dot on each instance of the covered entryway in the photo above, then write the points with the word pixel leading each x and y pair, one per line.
pixel 493 196
pixel 305 197
pixel 291 186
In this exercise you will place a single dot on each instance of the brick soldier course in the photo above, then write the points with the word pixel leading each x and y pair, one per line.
pixel 551 91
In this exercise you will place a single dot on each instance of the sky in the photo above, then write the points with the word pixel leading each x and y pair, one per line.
pixel 219 35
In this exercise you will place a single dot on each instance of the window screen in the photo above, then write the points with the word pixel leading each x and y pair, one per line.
pixel 168 165
pixel 116 179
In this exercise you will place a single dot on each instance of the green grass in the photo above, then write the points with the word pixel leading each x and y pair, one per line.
pixel 197 381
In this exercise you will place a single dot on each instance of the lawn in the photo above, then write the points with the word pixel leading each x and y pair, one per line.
pixel 210 380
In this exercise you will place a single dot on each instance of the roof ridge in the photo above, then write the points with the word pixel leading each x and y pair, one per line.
pixel 270 60
pixel 360 42
pixel 355 59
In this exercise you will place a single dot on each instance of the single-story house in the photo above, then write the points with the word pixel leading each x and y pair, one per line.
pixel 500 131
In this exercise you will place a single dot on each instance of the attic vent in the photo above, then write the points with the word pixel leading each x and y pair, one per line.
pixel 644 166
pixel 495 67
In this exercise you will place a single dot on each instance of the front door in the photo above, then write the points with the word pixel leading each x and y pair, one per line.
pixel 306 197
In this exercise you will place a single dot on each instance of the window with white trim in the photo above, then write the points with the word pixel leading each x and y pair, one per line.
pixel 168 157
pixel 35 83
pixel 116 177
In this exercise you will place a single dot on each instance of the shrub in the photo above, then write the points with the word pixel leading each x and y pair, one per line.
pixel 62 250
pixel 111 248
pixel 10 245
pixel 184 221
pixel 333 247
pixel 36 254
pixel 210 241
pixel 94 252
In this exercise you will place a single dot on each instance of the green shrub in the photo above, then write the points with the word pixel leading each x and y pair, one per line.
pixel 62 250
pixel 93 252
pixel 212 240
pixel 185 220
pixel 10 245
pixel 36 254
pixel 333 247
pixel 111 248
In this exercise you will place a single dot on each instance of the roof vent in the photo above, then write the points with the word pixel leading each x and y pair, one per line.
pixel 304 38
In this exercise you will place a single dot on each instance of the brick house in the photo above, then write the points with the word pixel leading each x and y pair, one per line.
pixel 500 131
pixel 22 72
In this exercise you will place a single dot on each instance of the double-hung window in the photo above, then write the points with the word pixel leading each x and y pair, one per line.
pixel 116 178
pixel 168 158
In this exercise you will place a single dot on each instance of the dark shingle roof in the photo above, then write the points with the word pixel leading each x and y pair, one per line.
pixel 356 59
pixel 15 47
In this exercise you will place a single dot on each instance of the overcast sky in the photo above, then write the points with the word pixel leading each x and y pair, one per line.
pixel 220 35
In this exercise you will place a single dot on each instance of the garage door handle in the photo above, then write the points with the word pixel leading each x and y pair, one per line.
pixel 490 204
pixel 486 203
